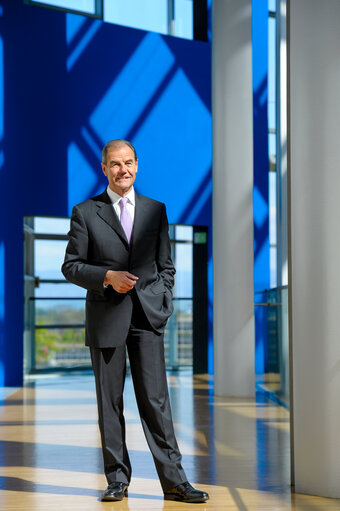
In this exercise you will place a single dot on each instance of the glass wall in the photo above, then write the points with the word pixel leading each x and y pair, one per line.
pixel 275 379
pixel 56 322
pixel 54 308
pixel 172 17
pixel 84 6
pixel 147 15
pixel 179 331
pixel 273 302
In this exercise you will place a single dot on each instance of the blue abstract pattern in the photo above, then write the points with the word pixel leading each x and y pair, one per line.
pixel 70 83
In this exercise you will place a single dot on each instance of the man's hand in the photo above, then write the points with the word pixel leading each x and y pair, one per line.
pixel 121 281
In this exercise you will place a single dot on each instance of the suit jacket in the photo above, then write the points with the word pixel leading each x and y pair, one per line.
pixel 97 243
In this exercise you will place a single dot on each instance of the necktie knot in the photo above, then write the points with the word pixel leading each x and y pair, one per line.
pixel 125 218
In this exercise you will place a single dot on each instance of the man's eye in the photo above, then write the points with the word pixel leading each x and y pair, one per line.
pixel 129 163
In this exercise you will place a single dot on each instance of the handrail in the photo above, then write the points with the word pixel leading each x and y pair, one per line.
pixel 268 304
pixel 33 298
pixel 278 288
pixel 61 325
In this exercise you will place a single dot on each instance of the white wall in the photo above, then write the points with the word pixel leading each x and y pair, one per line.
pixel 232 198
pixel 314 125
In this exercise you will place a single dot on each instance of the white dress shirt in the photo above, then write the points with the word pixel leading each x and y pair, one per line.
pixel 130 205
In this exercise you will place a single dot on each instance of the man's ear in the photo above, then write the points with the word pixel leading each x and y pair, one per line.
pixel 103 168
pixel 137 165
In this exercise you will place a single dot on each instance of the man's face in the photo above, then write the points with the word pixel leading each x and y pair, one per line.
pixel 120 169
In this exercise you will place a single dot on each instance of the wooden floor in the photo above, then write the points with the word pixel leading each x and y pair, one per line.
pixel 236 449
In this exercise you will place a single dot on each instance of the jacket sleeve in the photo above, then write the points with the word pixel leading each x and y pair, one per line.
pixel 76 268
pixel 165 265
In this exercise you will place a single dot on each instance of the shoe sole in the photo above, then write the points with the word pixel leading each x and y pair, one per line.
pixel 178 499
pixel 114 499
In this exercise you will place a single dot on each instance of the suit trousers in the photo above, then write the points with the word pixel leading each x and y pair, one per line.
pixel 146 355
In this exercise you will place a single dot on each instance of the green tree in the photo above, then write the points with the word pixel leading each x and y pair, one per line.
pixel 46 345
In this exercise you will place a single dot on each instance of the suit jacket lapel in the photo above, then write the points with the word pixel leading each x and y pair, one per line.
pixel 107 213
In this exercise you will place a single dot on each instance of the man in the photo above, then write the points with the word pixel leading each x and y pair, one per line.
pixel 119 251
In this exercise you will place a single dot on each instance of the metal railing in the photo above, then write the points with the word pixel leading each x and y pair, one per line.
pixel 52 350
pixel 271 309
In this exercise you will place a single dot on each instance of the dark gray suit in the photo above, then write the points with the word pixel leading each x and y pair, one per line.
pixel 97 243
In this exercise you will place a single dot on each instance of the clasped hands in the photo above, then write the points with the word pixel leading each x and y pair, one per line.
pixel 121 281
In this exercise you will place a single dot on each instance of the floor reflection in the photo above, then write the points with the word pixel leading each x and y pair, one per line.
pixel 236 449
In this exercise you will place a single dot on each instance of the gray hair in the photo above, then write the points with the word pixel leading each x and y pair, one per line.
pixel 117 143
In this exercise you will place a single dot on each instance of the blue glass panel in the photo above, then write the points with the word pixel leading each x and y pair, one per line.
pixel 83 43
pixel 272 143
pixel 2 310
pixel 272 208
pixel 151 15
pixel 74 23
pixel 48 258
pixel 97 151
pixel 184 19
pixel 260 208
pixel 187 165
pixel 262 262
pixel 82 178
pixel 87 6
pixel 63 290
pixel 183 232
pixel 273 266
pixel 50 225
pixel 271 59
pixel 209 6
pixel 1 89
pixel 272 5
pixel 272 115
pixel 2 95
pixel 183 259
pixel 131 91
pixel 2 282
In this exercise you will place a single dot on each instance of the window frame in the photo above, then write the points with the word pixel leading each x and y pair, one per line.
pixel 199 17
pixel 98 14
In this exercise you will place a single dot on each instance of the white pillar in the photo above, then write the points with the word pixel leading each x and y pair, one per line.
pixel 232 198
pixel 314 141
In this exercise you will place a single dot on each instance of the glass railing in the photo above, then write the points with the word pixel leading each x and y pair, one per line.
pixel 178 335
pixel 272 319
pixel 54 308
pixel 59 334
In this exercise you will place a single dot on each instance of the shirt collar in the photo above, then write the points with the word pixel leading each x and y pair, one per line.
pixel 115 197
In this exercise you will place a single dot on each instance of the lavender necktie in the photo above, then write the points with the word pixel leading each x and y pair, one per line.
pixel 125 218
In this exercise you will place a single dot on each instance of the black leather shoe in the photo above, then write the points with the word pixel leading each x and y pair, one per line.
pixel 186 493
pixel 115 491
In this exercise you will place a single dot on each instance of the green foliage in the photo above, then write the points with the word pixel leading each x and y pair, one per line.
pixel 50 341
pixel 59 315
pixel 46 345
